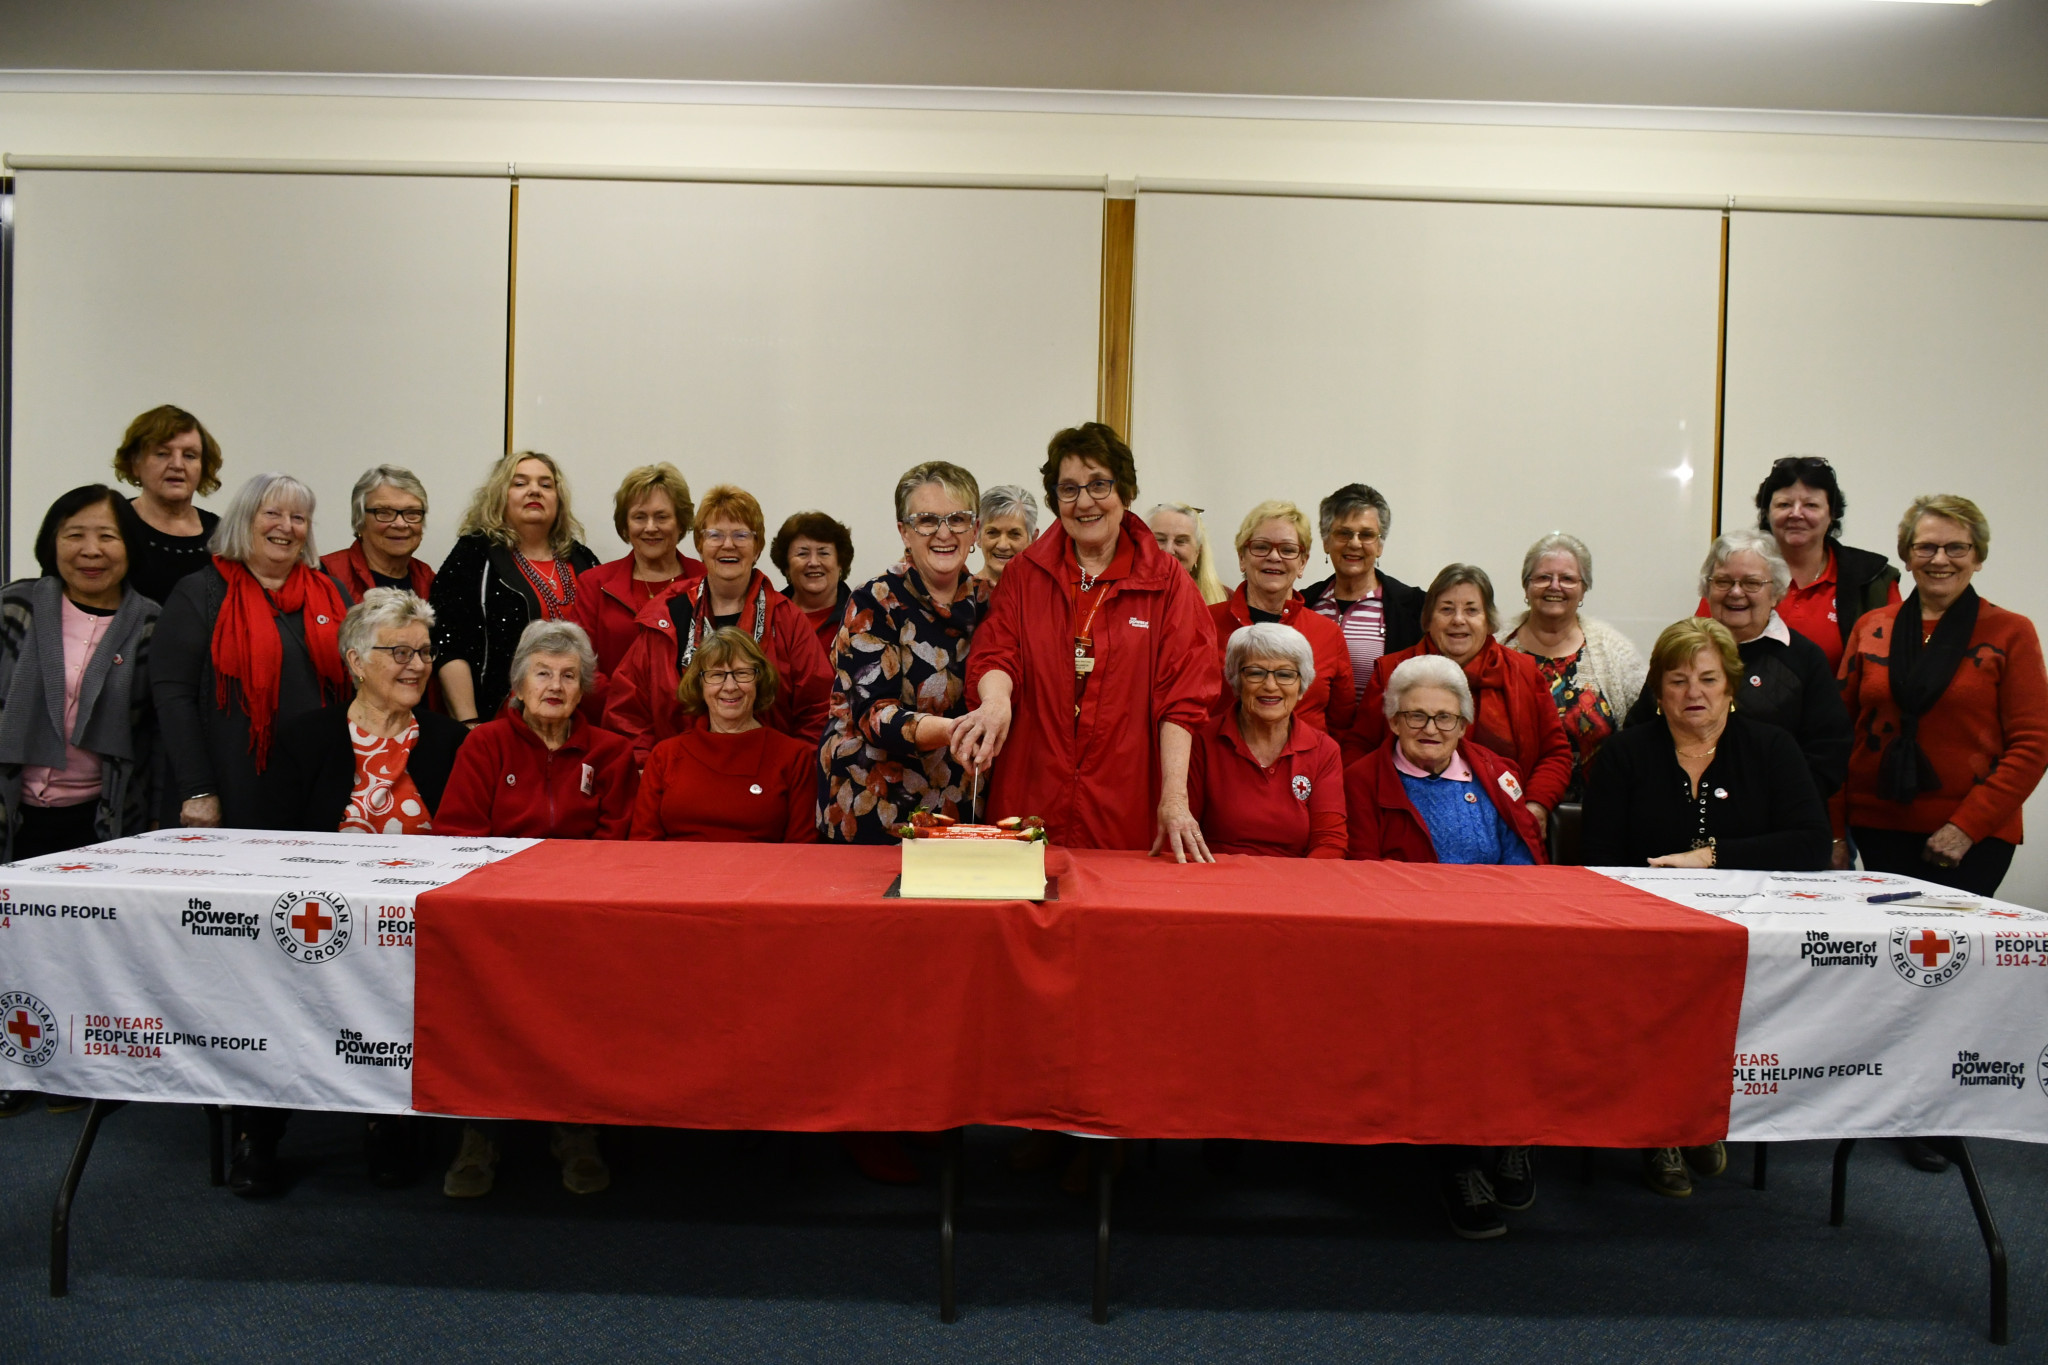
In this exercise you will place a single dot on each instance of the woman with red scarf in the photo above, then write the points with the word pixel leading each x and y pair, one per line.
pixel 243 645
pixel 1095 668
pixel 1513 713
pixel 640 701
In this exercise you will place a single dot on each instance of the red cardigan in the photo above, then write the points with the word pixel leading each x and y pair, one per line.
pixel 508 784
pixel 1541 757
pixel 640 701
pixel 351 568
pixel 1386 827
pixel 606 605
pixel 760 787
pixel 1987 737
pixel 1329 702
pixel 1094 777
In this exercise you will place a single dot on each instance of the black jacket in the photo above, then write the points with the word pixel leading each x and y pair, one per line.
pixel 1792 687
pixel 1863 583
pixel 1762 809
pixel 481 605
pixel 1400 604
pixel 207 745
pixel 313 767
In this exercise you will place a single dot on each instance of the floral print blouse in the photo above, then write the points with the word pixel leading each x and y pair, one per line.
pixel 898 656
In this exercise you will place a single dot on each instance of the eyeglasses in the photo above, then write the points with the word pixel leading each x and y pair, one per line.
pixel 1722 583
pixel 1554 580
pixel 720 677
pixel 1261 549
pixel 1097 489
pixel 1445 721
pixel 1352 537
pixel 927 524
pixel 1286 677
pixel 403 655
pixel 384 516
pixel 742 539
pixel 1955 549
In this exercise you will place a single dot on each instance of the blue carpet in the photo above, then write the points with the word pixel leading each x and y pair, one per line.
pixel 768 1247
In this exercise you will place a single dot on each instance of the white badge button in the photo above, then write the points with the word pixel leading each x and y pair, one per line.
pixel 755 789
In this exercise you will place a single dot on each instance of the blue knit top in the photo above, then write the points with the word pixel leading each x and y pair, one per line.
pixel 1462 822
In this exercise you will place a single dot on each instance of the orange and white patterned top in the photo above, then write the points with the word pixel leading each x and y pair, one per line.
pixel 384 800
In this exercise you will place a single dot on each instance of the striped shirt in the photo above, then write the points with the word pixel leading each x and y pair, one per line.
pixel 1364 623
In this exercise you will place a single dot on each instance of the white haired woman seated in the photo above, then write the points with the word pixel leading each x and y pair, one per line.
pixel 1426 796
pixel 378 764
pixel 1259 781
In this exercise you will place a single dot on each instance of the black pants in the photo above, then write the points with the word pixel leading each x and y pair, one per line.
pixel 55 829
pixel 1898 851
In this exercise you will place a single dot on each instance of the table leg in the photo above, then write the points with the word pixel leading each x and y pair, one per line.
pixel 1756 1174
pixel 1994 1245
pixel 1838 1206
pixel 1102 1155
pixel 216 1143
pixel 949 1210
pixel 60 1217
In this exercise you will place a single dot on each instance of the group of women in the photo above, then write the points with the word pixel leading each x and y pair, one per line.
pixel 170 667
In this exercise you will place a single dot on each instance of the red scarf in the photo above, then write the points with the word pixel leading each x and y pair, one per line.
pixel 248 649
pixel 1487 675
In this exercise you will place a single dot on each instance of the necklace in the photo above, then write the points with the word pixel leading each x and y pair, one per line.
pixel 1708 752
pixel 1088 580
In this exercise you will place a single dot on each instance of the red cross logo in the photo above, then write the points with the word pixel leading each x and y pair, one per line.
pixel 395 862
pixel 25 1030
pixel 1802 895
pixel 191 838
pixel 1929 948
pixel 311 923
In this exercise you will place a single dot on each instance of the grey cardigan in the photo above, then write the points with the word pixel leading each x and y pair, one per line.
pixel 115 717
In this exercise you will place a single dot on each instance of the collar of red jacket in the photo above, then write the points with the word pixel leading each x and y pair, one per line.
pixel 1150 565
pixel 1488 668
pixel 1241 607
pixel 359 564
pixel 1300 738
pixel 615 578
pixel 577 742
pixel 657 615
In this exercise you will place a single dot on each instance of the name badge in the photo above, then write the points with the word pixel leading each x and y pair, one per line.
pixel 1084 658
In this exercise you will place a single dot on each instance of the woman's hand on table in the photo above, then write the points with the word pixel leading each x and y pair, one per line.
pixel 200 812
pixel 1946 846
pixel 1838 857
pixel 1692 857
pixel 1180 831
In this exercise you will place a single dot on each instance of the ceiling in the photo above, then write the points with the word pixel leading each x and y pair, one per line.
pixel 1842 55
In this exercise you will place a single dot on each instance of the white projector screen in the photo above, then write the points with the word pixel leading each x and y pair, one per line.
pixel 1913 354
pixel 1497 371
pixel 316 324
pixel 808 343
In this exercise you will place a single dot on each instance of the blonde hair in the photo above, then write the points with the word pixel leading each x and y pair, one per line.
pixel 1274 509
pixel 728 646
pixel 1206 582
pixel 948 476
pixel 236 534
pixel 1683 640
pixel 653 478
pixel 1957 509
pixel 486 514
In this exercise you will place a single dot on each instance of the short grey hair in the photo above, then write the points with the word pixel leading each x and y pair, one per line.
pixel 1559 543
pixel 1428 670
pixel 236 534
pixel 1755 542
pixel 1268 640
pixel 554 637
pixel 374 478
pixel 1011 500
pixel 1350 499
pixel 381 609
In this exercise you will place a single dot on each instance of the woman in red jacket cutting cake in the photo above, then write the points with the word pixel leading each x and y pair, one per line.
pixel 1095 668
pixel 731 779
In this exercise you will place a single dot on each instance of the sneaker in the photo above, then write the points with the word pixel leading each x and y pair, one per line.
pixel 1514 1179
pixel 388 1148
pixel 64 1104
pixel 1664 1171
pixel 1923 1156
pixel 1711 1159
pixel 475 1168
pixel 1468 1197
pixel 583 1170
pixel 14 1102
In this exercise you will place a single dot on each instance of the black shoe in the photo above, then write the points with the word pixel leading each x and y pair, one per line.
pixel 64 1104
pixel 393 1157
pixel 1922 1156
pixel 1469 1200
pixel 1514 1179
pixel 253 1173
pixel 14 1102
pixel 1711 1159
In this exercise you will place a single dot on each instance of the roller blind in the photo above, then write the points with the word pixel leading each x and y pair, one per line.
pixel 318 325
pixel 808 343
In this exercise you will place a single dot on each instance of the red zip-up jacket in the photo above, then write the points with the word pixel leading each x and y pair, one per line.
pixel 1094 777
pixel 1386 827
pixel 640 701
pixel 606 606
pixel 508 784
pixel 1331 700
pixel 1542 759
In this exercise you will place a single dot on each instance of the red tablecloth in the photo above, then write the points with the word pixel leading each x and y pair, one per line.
pixel 765 987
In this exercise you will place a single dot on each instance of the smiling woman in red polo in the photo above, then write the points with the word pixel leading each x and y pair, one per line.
pixel 1261 780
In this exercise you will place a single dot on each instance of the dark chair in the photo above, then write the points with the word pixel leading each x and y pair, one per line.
pixel 1567 833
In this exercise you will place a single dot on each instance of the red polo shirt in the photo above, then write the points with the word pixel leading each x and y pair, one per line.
pixel 1294 809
